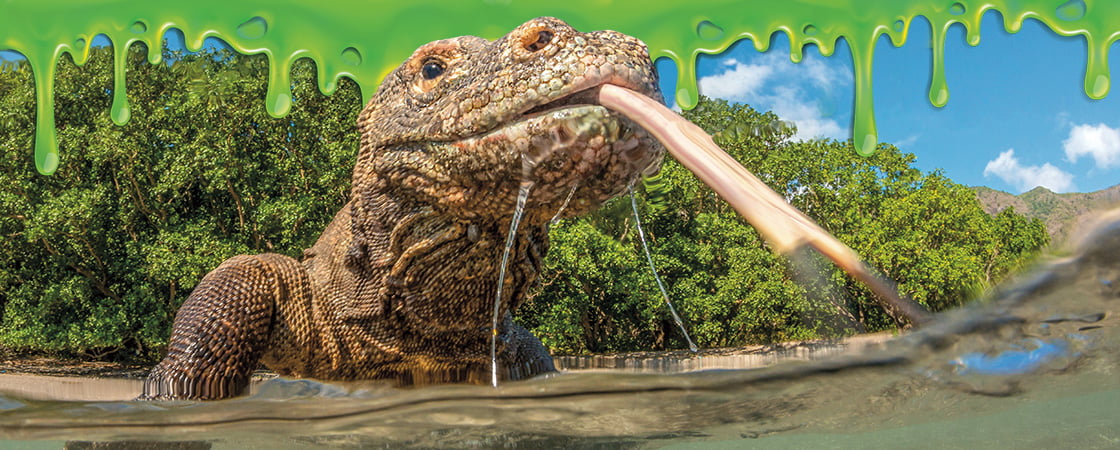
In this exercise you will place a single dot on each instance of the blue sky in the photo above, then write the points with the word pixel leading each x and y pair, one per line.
pixel 1017 116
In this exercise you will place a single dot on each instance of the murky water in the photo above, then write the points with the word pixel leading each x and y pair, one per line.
pixel 1038 366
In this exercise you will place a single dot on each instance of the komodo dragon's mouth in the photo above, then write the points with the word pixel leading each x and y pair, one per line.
pixel 587 131
pixel 588 96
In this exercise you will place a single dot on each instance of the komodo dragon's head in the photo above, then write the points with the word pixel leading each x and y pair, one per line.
pixel 463 121
pixel 450 136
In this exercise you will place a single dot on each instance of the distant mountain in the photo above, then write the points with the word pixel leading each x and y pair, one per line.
pixel 1062 213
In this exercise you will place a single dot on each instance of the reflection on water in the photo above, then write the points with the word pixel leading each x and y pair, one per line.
pixel 748 358
pixel 1034 367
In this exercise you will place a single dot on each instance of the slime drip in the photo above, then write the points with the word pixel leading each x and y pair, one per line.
pixel 355 39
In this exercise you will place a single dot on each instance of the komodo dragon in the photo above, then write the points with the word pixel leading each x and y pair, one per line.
pixel 402 282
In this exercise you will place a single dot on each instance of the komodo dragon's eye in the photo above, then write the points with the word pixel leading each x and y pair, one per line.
pixel 432 69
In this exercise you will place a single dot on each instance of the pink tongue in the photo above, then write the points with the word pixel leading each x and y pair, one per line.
pixel 783 225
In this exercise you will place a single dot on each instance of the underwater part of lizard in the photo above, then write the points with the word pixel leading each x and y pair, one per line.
pixel 401 283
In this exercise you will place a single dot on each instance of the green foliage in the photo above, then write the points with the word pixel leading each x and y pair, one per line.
pixel 922 230
pixel 97 257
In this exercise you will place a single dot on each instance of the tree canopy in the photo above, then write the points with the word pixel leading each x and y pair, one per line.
pixel 96 258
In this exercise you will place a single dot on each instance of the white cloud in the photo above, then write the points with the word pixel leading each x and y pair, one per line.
pixel 906 141
pixel 738 82
pixel 823 75
pixel 810 124
pixel 1024 178
pixel 1064 120
pixel 792 91
pixel 1100 142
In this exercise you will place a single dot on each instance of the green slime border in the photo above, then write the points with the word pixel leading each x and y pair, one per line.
pixel 364 40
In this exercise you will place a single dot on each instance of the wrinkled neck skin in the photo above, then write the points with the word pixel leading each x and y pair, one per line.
pixel 434 268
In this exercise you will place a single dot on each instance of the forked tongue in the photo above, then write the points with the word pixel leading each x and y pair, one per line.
pixel 784 226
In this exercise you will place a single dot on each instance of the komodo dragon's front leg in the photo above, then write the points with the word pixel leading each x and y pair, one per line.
pixel 223 328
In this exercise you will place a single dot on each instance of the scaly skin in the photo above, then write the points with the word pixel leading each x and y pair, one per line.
pixel 402 282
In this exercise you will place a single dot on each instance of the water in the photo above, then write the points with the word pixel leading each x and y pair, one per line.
pixel 660 286
pixel 1035 366
pixel 522 197
pixel 556 217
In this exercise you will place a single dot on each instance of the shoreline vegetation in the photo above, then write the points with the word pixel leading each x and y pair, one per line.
pixel 96 259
